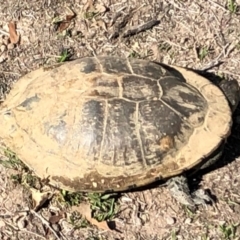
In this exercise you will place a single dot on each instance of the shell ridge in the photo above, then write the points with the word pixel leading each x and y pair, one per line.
pixel 104 131
pixel 137 124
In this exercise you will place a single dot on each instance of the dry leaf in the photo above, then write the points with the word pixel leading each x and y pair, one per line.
pixel 56 218
pixel 14 37
pixel 70 17
pixel 63 25
pixel 85 210
pixel 39 198
pixel 102 225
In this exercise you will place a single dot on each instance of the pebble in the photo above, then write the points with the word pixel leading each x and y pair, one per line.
pixel 22 223
pixel 170 220
pixel 126 199
pixel 188 220
pixel 144 218
pixel 56 227
pixel 3 48
pixel 2 223
pixel 10 46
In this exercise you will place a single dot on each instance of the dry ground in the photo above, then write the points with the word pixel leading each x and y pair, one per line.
pixel 201 34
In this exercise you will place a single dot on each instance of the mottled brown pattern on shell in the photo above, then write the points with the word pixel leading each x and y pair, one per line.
pixel 106 123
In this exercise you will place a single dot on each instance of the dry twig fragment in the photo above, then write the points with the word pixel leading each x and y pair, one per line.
pixel 14 37
pixel 141 28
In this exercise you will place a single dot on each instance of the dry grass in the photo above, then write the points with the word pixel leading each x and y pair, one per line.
pixel 201 34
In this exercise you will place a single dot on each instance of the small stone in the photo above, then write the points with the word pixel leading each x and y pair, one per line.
pixel 188 221
pixel 4 195
pixel 170 220
pixel 183 40
pixel 10 46
pixel 3 57
pixel 3 48
pixel 144 218
pixel 56 227
pixel 2 223
pixel 22 223
pixel 126 199
pixel 5 41
pixel 74 33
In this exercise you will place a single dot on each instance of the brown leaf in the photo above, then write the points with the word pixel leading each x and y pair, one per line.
pixel 85 210
pixel 14 37
pixel 70 17
pixel 56 218
pixel 63 25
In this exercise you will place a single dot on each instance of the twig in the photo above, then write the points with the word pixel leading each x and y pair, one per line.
pixel 141 28
pixel 4 33
pixel 45 222
pixel 121 25
pixel 5 216
pixel 13 73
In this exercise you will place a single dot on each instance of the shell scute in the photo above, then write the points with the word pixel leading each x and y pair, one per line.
pixel 108 123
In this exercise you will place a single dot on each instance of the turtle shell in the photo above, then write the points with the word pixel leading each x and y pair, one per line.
pixel 110 124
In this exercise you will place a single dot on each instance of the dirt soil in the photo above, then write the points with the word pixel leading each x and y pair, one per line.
pixel 202 35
